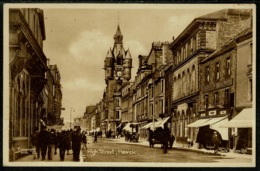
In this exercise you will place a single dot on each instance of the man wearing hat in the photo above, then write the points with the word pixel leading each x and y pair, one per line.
pixel 216 141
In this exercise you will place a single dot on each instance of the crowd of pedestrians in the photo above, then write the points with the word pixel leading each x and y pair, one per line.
pixel 46 142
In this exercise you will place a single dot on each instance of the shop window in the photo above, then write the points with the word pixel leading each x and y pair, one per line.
pixel 217 71
pixel 206 101
pixel 117 114
pixel 228 67
pixel 216 98
pixel 161 85
pixel 207 74
pixel 227 96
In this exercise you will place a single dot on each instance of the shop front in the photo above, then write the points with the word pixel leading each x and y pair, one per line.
pixel 241 126
pixel 205 128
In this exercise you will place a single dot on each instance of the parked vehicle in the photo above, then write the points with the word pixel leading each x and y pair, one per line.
pixel 132 136
pixel 158 137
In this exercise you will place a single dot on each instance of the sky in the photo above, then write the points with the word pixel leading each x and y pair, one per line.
pixel 77 41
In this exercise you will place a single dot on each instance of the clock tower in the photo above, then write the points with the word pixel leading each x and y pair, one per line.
pixel 117 66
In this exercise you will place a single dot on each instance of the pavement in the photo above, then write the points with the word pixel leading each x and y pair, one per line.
pixel 143 142
pixel 183 147
pixel 68 158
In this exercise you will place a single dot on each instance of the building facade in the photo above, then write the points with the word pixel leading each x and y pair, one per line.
pixel 202 37
pixel 216 98
pixel 55 107
pixel 28 65
pixel 88 115
pixel 140 103
pixel 117 66
pixel 126 104
pixel 241 135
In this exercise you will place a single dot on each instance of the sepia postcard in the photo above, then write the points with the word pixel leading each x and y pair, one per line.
pixel 129 85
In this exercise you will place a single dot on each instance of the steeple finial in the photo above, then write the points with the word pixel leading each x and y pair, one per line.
pixel 118 37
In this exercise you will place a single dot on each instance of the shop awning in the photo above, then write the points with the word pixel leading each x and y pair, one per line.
pixel 223 131
pixel 156 124
pixel 147 125
pixel 98 129
pixel 213 121
pixel 128 126
pixel 118 125
pixel 161 123
pixel 198 123
pixel 243 120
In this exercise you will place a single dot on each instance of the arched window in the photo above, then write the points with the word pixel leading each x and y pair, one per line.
pixel 178 124
pixel 183 83
pixel 188 81
pixel 23 111
pixel 193 79
pixel 119 59
pixel 18 110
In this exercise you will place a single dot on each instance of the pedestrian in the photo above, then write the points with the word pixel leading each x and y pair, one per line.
pixel 216 141
pixel 150 138
pixel 165 139
pixel 57 132
pixel 51 144
pixel 62 144
pixel 84 141
pixel 76 143
pixel 35 143
pixel 69 133
pixel 109 133
pixel 43 141
pixel 95 137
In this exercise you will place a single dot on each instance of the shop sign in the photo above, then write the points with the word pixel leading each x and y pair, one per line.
pixel 214 112
pixel 223 112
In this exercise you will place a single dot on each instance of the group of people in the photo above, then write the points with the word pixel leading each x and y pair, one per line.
pixel 48 141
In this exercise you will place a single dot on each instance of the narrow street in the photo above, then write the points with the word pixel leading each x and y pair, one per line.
pixel 118 151
pixel 114 150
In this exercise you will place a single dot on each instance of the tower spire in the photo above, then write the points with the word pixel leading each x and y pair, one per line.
pixel 118 37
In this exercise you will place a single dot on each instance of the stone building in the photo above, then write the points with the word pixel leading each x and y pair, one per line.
pixel 117 66
pixel 216 98
pixel 199 39
pixel 140 102
pixel 151 86
pixel 241 118
pixel 55 96
pixel 224 77
pixel 245 94
pixel 98 114
pixel 126 106
pixel 88 114
pixel 28 65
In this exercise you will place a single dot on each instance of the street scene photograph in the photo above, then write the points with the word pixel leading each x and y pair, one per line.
pixel 129 85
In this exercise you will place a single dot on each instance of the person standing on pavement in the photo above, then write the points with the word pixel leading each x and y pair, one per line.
pixel 35 144
pixel 84 141
pixel 95 137
pixel 76 144
pixel 62 144
pixel 51 144
pixel 43 141
pixel 70 141
pixel 165 138
pixel 216 141
pixel 57 132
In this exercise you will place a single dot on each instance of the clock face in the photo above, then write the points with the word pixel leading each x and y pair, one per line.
pixel 119 73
